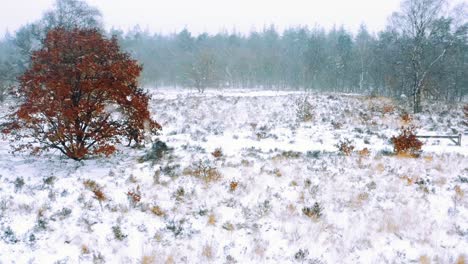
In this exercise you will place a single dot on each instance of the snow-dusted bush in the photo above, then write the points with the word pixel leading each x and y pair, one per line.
pixel 157 151
pixel 407 142
pixel 345 146
pixel 304 110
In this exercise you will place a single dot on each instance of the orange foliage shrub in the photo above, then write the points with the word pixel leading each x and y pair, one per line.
pixel 81 96
pixel 233 185
pixel 406 118
pixel 407 142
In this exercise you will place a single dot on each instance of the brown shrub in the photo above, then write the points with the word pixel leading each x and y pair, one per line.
pixel 99 195
pixel 134 195
pixel 233 186
pixel 217 153
pixel 364 152
pixel 204 171
pixel 211 219
pixel 406 118
pixel 96 189
pixel 407 142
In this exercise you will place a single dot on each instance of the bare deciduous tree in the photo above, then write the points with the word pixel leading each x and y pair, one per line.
pixel 415 21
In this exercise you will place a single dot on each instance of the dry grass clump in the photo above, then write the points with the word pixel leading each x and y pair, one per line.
pixel 424 259
pixel 459 193
pixel 364 152
pixel 96 189
pixel 170 260
pixel 212 219
pixel 233 186
pixel 207 251
pixel 406 118
pixel 99 195
pixel 157 210
pixel 148 259
pixel 204 171
pixel 85 249
pixel 90 184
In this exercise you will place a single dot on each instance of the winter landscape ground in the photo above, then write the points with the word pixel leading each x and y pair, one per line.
pixel 248 176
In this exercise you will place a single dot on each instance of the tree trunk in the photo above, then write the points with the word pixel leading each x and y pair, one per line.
pixel 417 101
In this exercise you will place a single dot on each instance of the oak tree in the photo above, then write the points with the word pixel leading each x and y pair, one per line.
pixel 81 96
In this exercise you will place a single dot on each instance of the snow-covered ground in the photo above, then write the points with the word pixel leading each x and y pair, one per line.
pixel 279 192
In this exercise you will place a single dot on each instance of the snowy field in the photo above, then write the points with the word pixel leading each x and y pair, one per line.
pixel 276 191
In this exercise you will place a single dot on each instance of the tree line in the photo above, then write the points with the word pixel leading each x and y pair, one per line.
pixel 421 54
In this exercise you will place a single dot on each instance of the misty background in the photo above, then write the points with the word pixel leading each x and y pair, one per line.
pixel 270 45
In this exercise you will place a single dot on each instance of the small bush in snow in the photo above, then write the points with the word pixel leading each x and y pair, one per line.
pixel 301 255
pixel 118 234
pixel 62 214
pixel 211 219
pixel 180 228
pixel 9 236
pixel 313 154
pixel 134 196
pixel 157 211
pixel 180 193
pixel 345 146
pixel 304 110
pixel 157 151
pixel 407 142
pixel 406 118
pixel 85 250
pixel 148 259
pixel 207 252
pixel 364 152
pixel 314 212
pixel 217 153
pixel 291 154
pixel 99 195
pixel 41 224
pixel 19 183
pixel 90 184
pixel 50 180
pixel 203 170
pixel 336 125
pixel 233 185
pixel 96 189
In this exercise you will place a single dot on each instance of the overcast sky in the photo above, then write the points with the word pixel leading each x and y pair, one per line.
pixel 169 16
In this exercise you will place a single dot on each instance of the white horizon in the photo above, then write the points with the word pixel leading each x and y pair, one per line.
pixel 214 16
